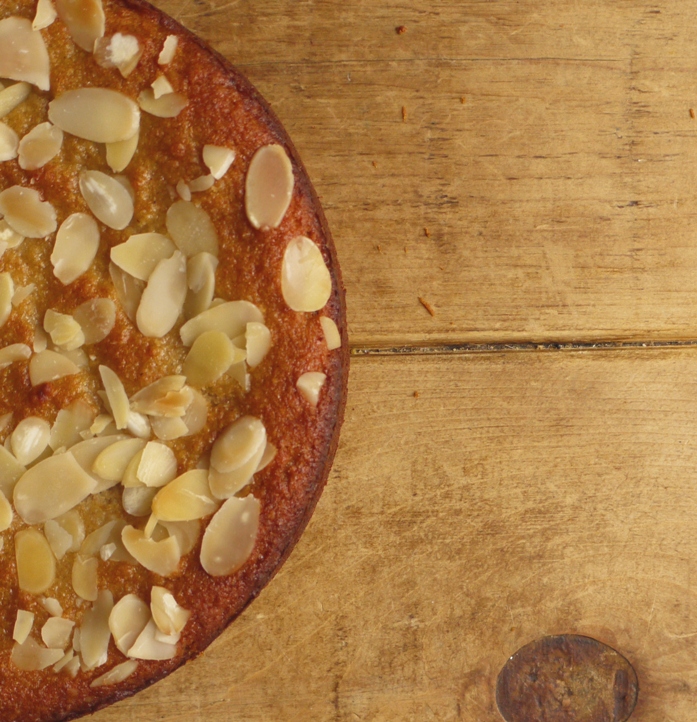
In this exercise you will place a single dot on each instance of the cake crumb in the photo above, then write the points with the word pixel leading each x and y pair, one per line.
pixel 375 165
pixel 463 99
pixel 427 306
pixel 416 394
pixel 427 233
pixel 379 248
pixel 401 29
pixel 692 112
pixel 404 114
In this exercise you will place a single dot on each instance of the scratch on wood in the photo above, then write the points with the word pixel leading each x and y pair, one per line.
pixel 427 306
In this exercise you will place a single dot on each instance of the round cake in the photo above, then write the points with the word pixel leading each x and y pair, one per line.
pixel 173 351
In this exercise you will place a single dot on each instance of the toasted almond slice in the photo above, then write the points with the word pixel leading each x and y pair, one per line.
pixel 310 384
pixel 58 538
pixel 96 114
pixel 49 366
pixel 36 567
pixel 231 318
pixel 6 513
pixel 141 253
pixel 166 106
pixel 168 428
pixel 6 420
pixel 10 472
pixel 149 399
pixel 229 538
pixel 211 355
pixel 26 213
pixel 50 488
pixel 218 159
pixel 151 527
pixel 202 183
pixel 84 19
pixel 31 657
pixel 168 50
pixel 223 485
pixel 101 425
pixel 30 439
pixel 238 443
pixel 72 522
pixel 148 647
pixel 129 290
pixel 163 298
pixel 183 191
pixel 23 54
pixel 137 500
pixel 96 318
pixel 167 614
pixel 21 294
pixel 191 229
pixel 94 631
pixel 9 143
pixel 40 340
pixel 186 497
pixel 9 236
pixel 56 632
pixel 72 667
pixel 127 620
pixel 13 96
pixel 23 625
pixel 118 400
pixel 104 535
pixel 63 662
pixel 52 606
pixel 305 280
pixel 161 557
pixel 269 187
pixel 196 413
pixel 45 15
pixel 258 339
pixel 268 456
pixel 119 51
pixel 161 86
pixel 331 333
pixel 238 372
pixel 116 674
pixel 64 330
pixel 86 453
pixel 39 146
pixel 119 155
pixel 7 289
pixel 112 462
pixel 107 199
pixel 139 425
pixel 187 533
pixel 13 352
pixel 200 277
pixel 157 466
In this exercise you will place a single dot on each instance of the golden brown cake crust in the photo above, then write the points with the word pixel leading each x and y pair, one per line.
pixel 224 109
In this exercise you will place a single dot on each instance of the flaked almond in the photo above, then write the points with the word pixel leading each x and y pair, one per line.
pixel 305 281
pixel 107 198
pixel 238 443
pixel 10 472
pixel 65 332
pixel 147 646
pixel 268 187
pixel 5 422
pixel 23 625
pixel 258 338
pixel 211 355
pixel 56 632
pixel 118 51
pixel 84 20
pixel 86 453
pixel 238 372
pixel 230 317
pixel 161 86
pixel 13 352
pixel 58 538
pixel 128 290
pixel 119 155
pixel 32 657
pixel 21 294
pixel 97 114
pixel 6 513
pixel 229 538
pixel 96 318
pixel 168 428
pixel 12 96
pixel 51 488
pixel 23 54
pixel 52 606
pixel 108 534
pixel 72 667
pixel 196 413
pixel 39 146
pixel 48 366
pixel 65 660
pixel 157 466
pixel 156 399
pixel 183 190
pixel 118 400
pixel 36 567
pixel 166 106
pixel 191 229
pixel 40 342
pixel 94 631
pixel 26 213
pixel 186 497
pixel 331 333
pixel 268 456
pixel 169 48
pixel 201 184
pixel 163 298
pixel 30 439
pixel 102 424
pixel 187 533
pixel 310 384
pixel 45 15
pixel 224 484
pixel 8 236
pixel 141 253
pixel 9 143
pixel 7 289
pixel 112 462
pixel 137 500
pixel 72 522
pixel 169 616
pixel 116 674
pixel 161 557
pixel 127 620
pixel 218 159
pixel 139 425
pixel 200 278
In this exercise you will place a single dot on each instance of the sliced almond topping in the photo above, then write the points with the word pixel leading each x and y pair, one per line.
pixel 72 522
pixel 127 620
pixel 23 54
pixel 166 106
pixel 96 318
pixel 9 237
pixel 45 15
pixel 101 425
pixel 137 500
pixel 40 145
pixel 161 86
pixel 119 51
pixel 86 453
pixel 48 366
pixel 63 662
pixel 163 298
pixel 218 159
pixel 269 187
pixel 139 425
pixel 147 646
pixel 151 527
pixel 168 428
pixel 268 456
pixel 157 466
pixel 167 614
pixel 229 539
pixel 118 400
pixel 231 318
pixel 238 443
pixel 94 631
pixel 128 290
pixel 331 332
pixel 141 253
pixel 30 439
pixel 168 50
pixel 107 199
pixel 108 534
pixel 9 143
pixel 23 625
pixel 64 330
pixel 13 96
pixel 52 606
pixel 191 228
pixel 305 280
pixel 96 114
pixel 116 674
pixel 10 471
pixel 26 213
pixel 13 352
pixel 211 355
pixel 200 277
pixel 112 462
pixel 5 421
pixel 224 484
pixel 58 538
pixel 183 191
pixel 7 289
pixel 202 183
pixel 31 657
pixel 161 557
pixel 21 294
pixel 84 19
pixel 258 339
pixel 40 340
pixel 196 413
pixel 119 155
pixel 186 497
pixel 56 632
pixel 187 533
pixel 152 399
pixel 36 567
pixel 72 667
pixel 310 384
pixel 6 513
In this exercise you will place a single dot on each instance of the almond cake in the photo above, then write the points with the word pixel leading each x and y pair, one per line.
pixel 173 351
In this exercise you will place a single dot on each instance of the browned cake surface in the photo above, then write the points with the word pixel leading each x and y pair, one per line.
pixel 223 110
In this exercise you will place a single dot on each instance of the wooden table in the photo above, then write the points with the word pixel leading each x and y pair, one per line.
pixel 523 460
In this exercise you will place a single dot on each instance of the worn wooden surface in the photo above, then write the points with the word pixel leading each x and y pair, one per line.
pixel 549 151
